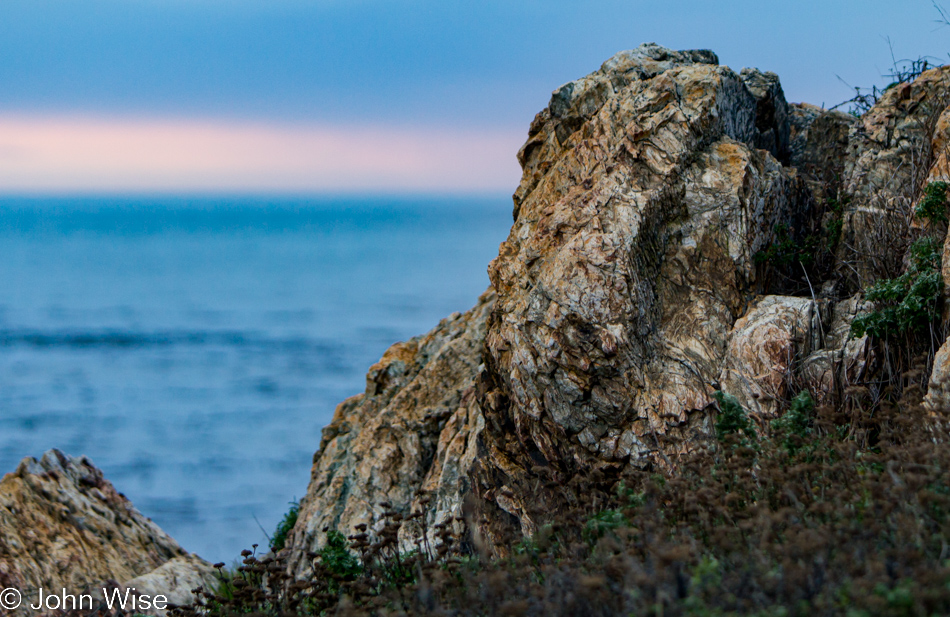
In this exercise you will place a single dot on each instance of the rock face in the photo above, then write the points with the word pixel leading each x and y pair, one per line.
pixel 765 347
pixel 891 151
pixel 175 579
pixel 415 427
pixel 62 525
pixel 630 289
pixel 819 146
pixel 629 262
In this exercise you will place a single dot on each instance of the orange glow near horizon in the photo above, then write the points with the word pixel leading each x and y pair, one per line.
pixel 57 154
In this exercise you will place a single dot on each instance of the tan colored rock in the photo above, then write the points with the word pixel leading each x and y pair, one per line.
pixel 940 148
pixel 786 344
pixel 890 154
pixel 940 172
pixel 63 525
pixel 414 428
pixel 841 361
pixel 576 102
pixel 765 348
pixel 937 400
pixel 175 579
pixel 626 293
pixel 630 260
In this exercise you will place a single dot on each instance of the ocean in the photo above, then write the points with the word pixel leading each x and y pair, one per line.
pixel 194 348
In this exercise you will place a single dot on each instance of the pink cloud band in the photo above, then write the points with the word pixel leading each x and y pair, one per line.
pixel 59 154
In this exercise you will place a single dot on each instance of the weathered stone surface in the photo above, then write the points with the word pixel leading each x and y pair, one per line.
pixel 630 260
pixel 818 146
pixel 175 579
pixel 765 348
pixel 890 153
pixel 938 392
pixel 772 113
pixel 940 172
pixel 414 428
pixel 642 204
pixel 576 102
pixel 841 361
pixel 63 525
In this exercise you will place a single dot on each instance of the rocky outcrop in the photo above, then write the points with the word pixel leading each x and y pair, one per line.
pixel 415 428
pixel 765 349
pixel 891 151
pixel 175 579
pixel 630 289
pixel 631 259
pixel 63 525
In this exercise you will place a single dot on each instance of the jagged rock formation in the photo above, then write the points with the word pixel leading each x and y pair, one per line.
pixel 415 428
pixel 629 262
pixel 63 525
pixel 629 291
pixel 818 147
pixel 890 153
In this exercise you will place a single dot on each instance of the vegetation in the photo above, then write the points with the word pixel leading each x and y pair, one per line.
pixel 902 72
pixel 794 427
pixel 285 526
pixel 834 514
pixel 337 558
pixel 785 251
pixel 733 420
pixel 933 206
pixel 795 257
pixel 909 303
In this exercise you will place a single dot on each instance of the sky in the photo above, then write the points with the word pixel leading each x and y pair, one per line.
pixel 370 96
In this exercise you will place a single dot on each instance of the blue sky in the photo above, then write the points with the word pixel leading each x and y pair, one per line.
pixel 252 73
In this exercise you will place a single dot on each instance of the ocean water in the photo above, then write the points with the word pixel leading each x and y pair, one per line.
pixel 195 348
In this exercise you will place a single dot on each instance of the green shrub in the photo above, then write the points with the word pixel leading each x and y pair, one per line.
pixel 337 558
pixel 795 424
pixel 933 206
pixel 733 420
pixel 602 523
pixel 285 526
pixel 908 303
pixel 785 251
